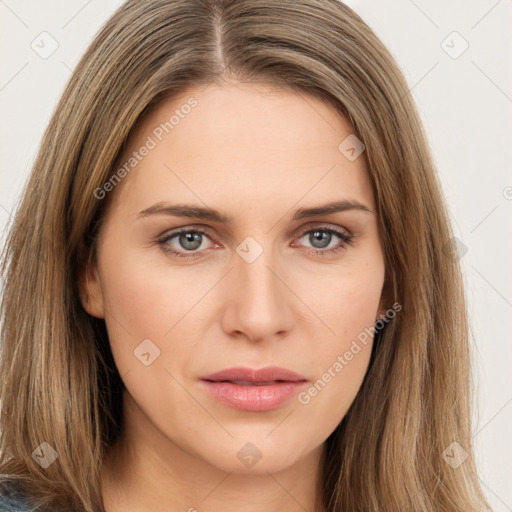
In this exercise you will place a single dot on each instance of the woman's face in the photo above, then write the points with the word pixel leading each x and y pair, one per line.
pixel 258 278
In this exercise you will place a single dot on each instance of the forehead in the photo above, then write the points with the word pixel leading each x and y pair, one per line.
pixel 250 143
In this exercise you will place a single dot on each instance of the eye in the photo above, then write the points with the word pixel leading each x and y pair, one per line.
pixel 187 241
pixel 190 242
pixel 321 239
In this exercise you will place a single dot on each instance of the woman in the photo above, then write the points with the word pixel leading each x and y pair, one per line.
pixel 230 281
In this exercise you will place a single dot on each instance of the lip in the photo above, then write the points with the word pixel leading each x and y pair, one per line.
pixel 275 387
pixel 267 374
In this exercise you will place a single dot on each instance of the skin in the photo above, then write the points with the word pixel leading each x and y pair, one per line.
pixel 257 154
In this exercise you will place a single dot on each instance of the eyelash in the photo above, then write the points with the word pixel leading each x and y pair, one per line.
pixel 345 240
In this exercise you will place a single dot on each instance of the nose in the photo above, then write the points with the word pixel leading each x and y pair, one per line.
pixel 259 304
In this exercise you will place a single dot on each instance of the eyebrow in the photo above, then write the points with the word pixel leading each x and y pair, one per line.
pixel 199 212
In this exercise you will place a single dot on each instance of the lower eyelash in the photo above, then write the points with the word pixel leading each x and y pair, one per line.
pixel 345 240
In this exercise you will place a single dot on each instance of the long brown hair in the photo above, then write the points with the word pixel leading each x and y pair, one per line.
pixel 59 383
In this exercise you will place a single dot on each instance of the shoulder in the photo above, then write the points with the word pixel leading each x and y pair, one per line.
pixel 11 500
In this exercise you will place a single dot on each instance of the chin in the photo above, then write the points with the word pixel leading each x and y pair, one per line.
pixel 254 457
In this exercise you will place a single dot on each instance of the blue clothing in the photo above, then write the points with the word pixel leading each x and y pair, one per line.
pixel 13 505
pixel 12 501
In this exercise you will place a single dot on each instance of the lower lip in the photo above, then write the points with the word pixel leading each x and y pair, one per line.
pixel 253 398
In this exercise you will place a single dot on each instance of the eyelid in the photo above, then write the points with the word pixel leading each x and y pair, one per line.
pixel 187 229
pixel 324 225
pixel 206 230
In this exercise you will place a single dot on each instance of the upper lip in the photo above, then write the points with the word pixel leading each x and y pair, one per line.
pixel 268 374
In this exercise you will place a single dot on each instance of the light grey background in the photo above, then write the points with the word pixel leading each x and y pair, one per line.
pixel 465 100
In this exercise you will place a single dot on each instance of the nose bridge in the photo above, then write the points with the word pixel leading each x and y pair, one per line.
pixel 260 306
pixel 259 286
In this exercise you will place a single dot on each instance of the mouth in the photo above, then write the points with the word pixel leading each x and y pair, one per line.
pixel 253 390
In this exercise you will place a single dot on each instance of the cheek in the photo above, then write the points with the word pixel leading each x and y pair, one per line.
pixel 346 299
pixel 348 307
pixel 332 393
pixel 339 362
pixel 146 301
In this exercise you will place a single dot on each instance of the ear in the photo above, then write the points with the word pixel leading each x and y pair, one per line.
pixel 386 297
pixel 91 294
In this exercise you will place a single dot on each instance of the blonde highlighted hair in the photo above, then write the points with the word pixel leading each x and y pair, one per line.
pixel 58 380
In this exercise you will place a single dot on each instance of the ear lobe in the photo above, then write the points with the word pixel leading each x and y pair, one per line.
pixel 385 298
pixel 91 294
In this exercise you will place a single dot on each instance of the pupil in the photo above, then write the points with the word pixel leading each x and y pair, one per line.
pixel 322 236
pixel 190 241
